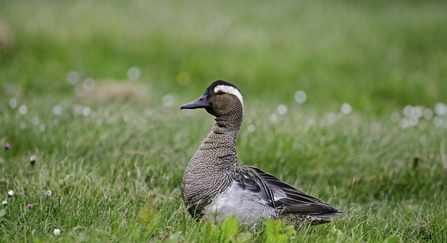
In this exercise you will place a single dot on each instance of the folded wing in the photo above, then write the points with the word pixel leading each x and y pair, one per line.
pixel 283 197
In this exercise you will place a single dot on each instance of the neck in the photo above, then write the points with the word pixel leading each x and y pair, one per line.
pixel 228 124
pixel 221 142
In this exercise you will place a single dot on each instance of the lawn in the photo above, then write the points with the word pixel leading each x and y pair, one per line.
pixel 92 89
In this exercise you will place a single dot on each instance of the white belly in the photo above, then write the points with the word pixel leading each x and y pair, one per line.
pixel 246 205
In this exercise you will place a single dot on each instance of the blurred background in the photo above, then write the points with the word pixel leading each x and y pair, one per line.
pixel 377 56
pixel 90 91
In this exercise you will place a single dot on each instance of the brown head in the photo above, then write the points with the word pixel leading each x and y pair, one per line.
pixel 221 98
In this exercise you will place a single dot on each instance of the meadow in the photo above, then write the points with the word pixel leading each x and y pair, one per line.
pixel 345 100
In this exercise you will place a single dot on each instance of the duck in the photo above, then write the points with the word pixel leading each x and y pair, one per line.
pixel 215 186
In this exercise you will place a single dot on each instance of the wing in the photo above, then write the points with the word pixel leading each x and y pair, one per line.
pixel 282 196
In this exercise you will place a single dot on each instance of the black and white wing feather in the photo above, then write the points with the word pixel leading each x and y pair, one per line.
pixel 281 196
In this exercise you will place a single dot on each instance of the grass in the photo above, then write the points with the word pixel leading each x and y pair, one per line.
pixel 114 157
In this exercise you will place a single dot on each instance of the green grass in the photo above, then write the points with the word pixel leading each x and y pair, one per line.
pixel 115 174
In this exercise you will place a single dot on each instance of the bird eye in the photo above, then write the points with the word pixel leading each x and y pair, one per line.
pixel 220 92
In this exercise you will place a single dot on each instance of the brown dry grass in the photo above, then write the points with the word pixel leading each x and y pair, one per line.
pixel 117 91
pixel 6 36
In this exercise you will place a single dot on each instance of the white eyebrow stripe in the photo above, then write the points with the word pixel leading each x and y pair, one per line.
pixel 229 90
